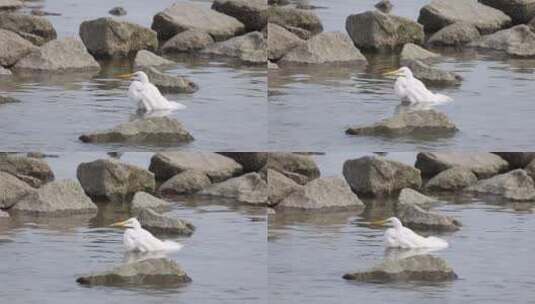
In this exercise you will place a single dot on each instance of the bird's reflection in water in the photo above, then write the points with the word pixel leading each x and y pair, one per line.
pixel 405 107
pixel 393 254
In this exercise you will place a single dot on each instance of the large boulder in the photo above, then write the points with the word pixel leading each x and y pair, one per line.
pixel 146 58
pixel 250 161
pixel 187 41
pixel 252 13
pixel 300 168
pixel 34 172
pixel 280 41
pixel 376 31
pixel 517 160
pixel 323 192
pixel 325 48
pixel 431 75
pixel 157 130
pixel 530 169
pixel 160 272
pixel 520 11
pixel 112 180
pixel 217 167
pixel 426 268
pixel 412 52
pixel 10 4
pixel 58 198
pixel 66 54
pixel 408 123
pixel 378 176
pixel 110 38
pixel 186 182
pixel 169 84
pixel 13 47
pixel 456 34
pixel 516 41
pixel 249 188
pixel 441 13
pixel 415 217
pixel 514 185
pixel 164 224
pixel 143 200
pixel 291 18
pixel 483 164
pixel 251 47
pixel 452 179
pixel 279 187
pixel 12 190
pixel 37 30
pixel 181 17
pixel 409 196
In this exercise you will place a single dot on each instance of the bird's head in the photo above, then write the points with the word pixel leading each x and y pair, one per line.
pixel 401 72
pixel 129 223
pixel 394 221
pixel 136 76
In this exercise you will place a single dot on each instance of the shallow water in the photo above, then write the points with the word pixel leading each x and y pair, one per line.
pixel 225 257
pixel 311 107
pixel 227 113
pixel 492 253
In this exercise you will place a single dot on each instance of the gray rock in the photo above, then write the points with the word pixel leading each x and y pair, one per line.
pixel 217 167
pixel 433 76
pixel 408 196
pixel 483 164
pixel 299 32
pixel 168 84
pixel 514 185
pixel 377 176
pixel 280 41
pixel 289 18
pixel 408 123
pixel 456 34
pixel 384 6
pixel 67 54
pixel 452 179
pixel 412 52
pixel 144 200
pixel 112 180
pixel 279 187
pixel 146 58
pixel 109 38
pixel 325 48
pixel 252 13
pixel 7 99
pixel 186 182
pixel 249 188
pixel 378 32
pixel 516 41
pixel 415 217
pixel 37 30
pixel 163 224
pixel 187 41
pixel 517 160
pixel 530 169
pixel 323 192
pixel 520 11
pixel 10 4
pixel 58 198
pixel 300 168
pixel 160 272
pixel 278 2
pixel 251 47
pixel 181 17
pixel 4 72
pixel 158 130
pixel 13 47
pixel 441 13
pixel 34 172
pixel 426 268
pixel 272 66
pixel 250 161
pixel 3 214
pixel 117 11
pixel 12 190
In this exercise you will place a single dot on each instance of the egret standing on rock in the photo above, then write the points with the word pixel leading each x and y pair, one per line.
pixel 403 237
pixel 147 95
pixel 412 90
pixel 138 239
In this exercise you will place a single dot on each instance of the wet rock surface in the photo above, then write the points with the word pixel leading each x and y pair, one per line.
pixel 35 172
pixel 12 190
pixel 252 13
pixel 37 30
pixel 279 187
pixel 164 224
pixel 13 48
pixel 452 179
pixel 249 188
pixel 144 200
pixel 483 164
pixel 251 47
pixel 186 182
pixel 188 41
pixel 280 41
pixel 456 34
pixel 412 52
pixel 169 84
pixel 409 196
pixel 300 168
pixel 146 58
pixel 7 99
pixel 515 185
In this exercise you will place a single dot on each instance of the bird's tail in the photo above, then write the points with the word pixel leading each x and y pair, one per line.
pixel 172 246
pixel 435 242
pixel 441 98
pixel 176 105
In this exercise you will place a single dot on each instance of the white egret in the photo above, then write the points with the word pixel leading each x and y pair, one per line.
pixel 403 237
pixel 412 90
pixel 147 95
pixel 138 239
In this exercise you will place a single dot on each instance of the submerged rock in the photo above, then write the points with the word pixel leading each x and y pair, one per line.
pixel 378 176
pixel 291 18
pixel 188 41
pixel 160 272
pixel 483 164
pixel 252 13
pixel 412 52
pixel 164 224
pixel 516 41
pixel 456 34
pixel 35 172
pixel 323 192
pixel 416 268
pixel 415 217
pixel 249 188
pixel 59 198
pixel 452 179
pixel 168 84
pixel 433 76
pixel 146 58
pixel 378 32
pixel 520 11
pixel 408 123
pixel 251 47
pixel 13 48
pixel 300 168
pixel 408 196
pixel 143 200
pixel 158 130
pixel 113 180
pixel 186 182
pixel 441 13
pixel 37 30
pixel 515 185
pixel 7 99
pixel 181 17
pixel 279 187
pixel 117 11
pixel 384 6
pixel 12 190
pixel 325 48
pixel 280 41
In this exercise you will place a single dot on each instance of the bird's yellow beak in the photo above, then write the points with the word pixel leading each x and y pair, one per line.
pixel 392 73
pixel 118 224
pixel 125 76
pixel 378 223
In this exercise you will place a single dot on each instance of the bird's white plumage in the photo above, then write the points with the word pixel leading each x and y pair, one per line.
pixel 413 91
pixel 138 239
pixel 402 237
pixel 148 97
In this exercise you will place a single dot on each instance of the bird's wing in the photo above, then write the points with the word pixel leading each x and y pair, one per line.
pixel 137 92
pixel 410 239
pixel 157 99
pixel 142 240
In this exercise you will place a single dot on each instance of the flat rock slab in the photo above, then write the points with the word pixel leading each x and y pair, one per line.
pixel 37 30
pixel 252 13
pixel 249 188
pixel 163 224
pixel 34 172
pixel 251 47
pixel 516 41
pixel 425 268
pixel 160 272
pixel 483 164
pixel 516 185
pixel 152 130
pixel 452 179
